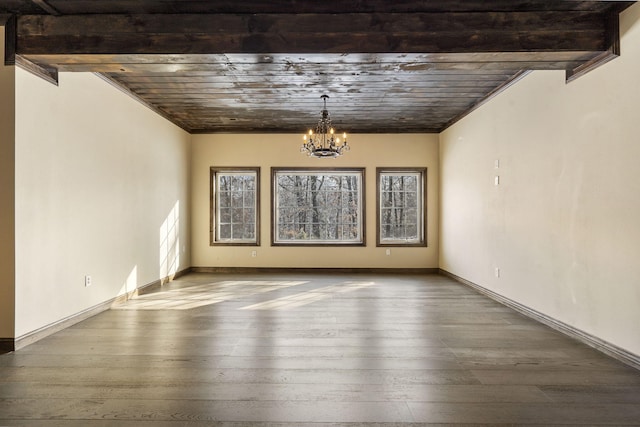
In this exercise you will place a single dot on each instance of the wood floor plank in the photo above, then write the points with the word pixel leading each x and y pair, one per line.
pixel 274 392
pixel 302 350
pixel 522 414
pixel 135 376
pixel 206 410
pixel 555 377
pixel 593 393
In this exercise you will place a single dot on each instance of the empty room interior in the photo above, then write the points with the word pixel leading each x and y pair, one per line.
pixel 304 213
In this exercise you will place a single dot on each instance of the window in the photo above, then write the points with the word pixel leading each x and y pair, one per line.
pixel 235 206
pixel 317 206
pixel 401 197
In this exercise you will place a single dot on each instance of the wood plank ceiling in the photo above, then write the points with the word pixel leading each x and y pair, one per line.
pixel 261 66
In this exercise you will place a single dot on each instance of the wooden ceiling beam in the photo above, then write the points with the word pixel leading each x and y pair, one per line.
pixel 10 39
pixel 538 32
pixel 257 66
pixel 160 67
pixel 44 5
pixel 304 6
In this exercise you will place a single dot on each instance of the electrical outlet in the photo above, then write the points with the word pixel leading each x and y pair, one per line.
pixel 254 254
pixel 388 252
pixel 497 272
pixel 87 281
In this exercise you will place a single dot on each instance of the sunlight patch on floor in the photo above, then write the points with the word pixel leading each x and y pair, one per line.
pixel 201 295
pixel 308 297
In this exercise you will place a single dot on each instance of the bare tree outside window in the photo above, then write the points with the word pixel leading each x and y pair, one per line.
pixel 401 207
pixel 317 206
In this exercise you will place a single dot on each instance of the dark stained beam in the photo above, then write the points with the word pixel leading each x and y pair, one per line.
pixel 312 33
pixel 10 40
pixel 612 51
pixel 312 6
pixel 44 5
pixel 19 7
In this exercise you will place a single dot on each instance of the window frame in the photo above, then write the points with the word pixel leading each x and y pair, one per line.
pixel 422 205
pixel 213 209
pixel 360 173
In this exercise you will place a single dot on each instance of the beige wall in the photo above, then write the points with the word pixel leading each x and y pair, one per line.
pixel 7 193
pixel 563 225
pixel 102 189
pixel 266 151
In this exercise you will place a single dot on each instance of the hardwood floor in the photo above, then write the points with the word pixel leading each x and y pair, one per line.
pixel 313 350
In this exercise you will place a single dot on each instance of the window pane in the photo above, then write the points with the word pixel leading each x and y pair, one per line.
pixel 249 198
pixel 225 231
pixel 249 231
pixel 317 206
pixel 285 232
pixel 224 216
pixel 236 198
pixel 411 183
pixel 224 183
pixel 250 183
pixel 411 216
pixel 411 232
pixel 236 215
pixel 248 216
pixel 411 199
pixel 224 199
pixel 400 213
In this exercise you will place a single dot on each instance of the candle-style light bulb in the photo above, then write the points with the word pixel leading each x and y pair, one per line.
pixel 331 131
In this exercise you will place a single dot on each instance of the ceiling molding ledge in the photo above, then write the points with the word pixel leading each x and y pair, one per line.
pixel 613 41
pixel 48 74
pixel 113 82
pixel 585 68
pixel 513 80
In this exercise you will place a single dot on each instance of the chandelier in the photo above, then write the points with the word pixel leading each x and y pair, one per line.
pixel 323 144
